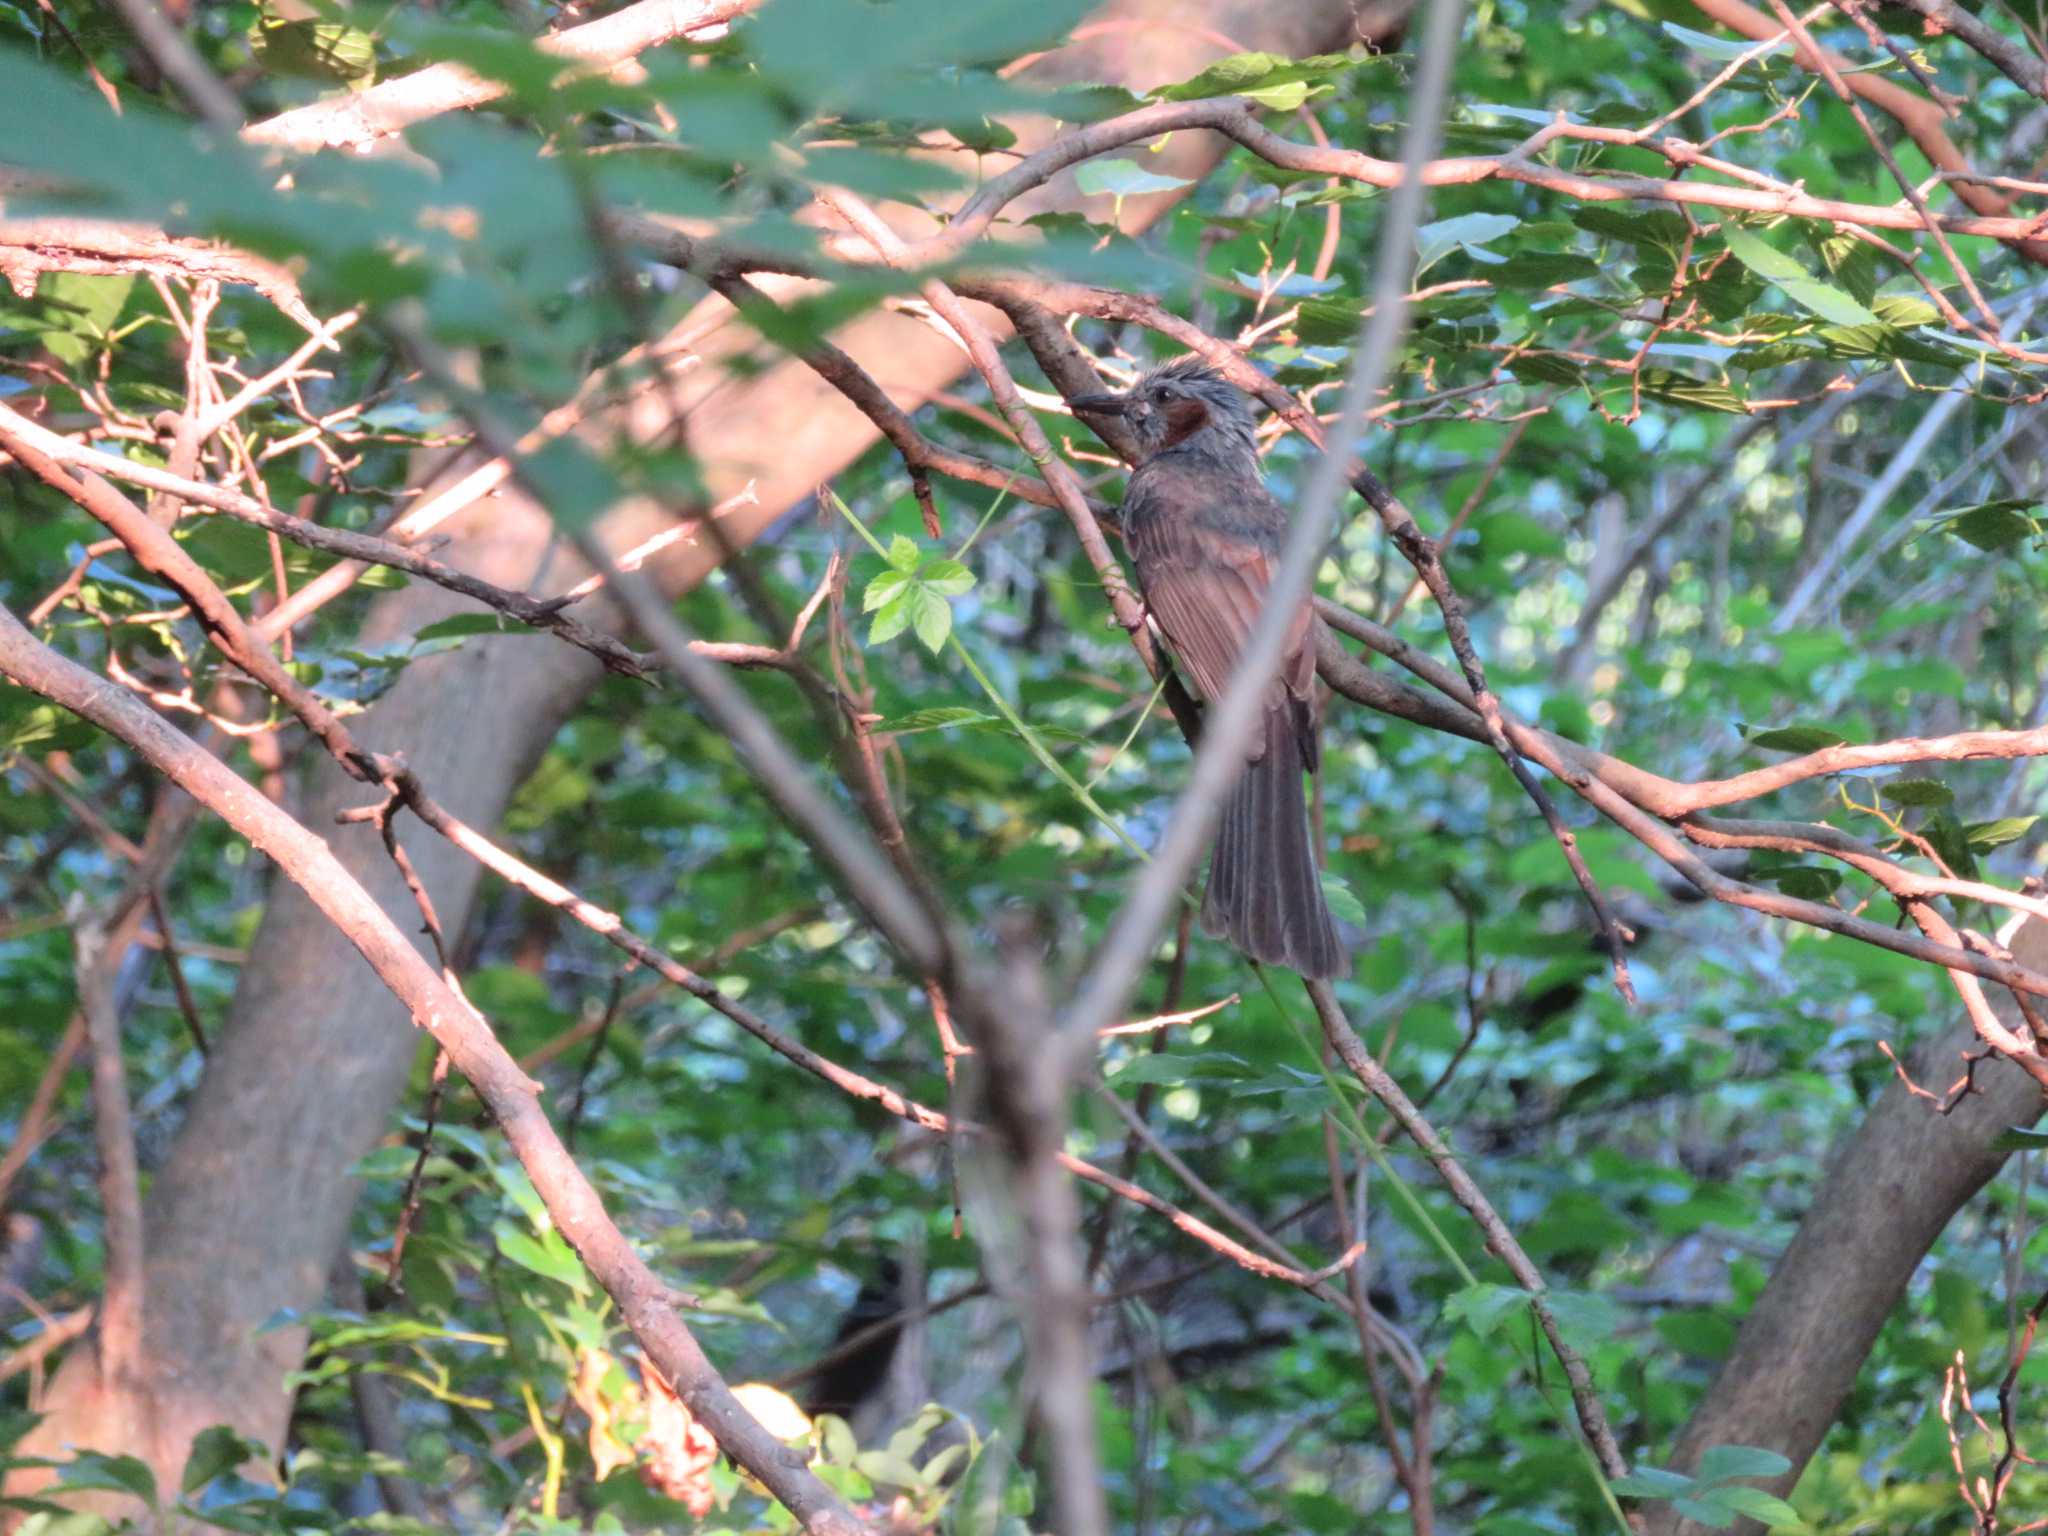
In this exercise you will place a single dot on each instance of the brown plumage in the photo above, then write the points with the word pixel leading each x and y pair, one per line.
pixel 1204 532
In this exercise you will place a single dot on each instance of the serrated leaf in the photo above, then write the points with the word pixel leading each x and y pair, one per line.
pixel 1713 1515
pixel 1986 835
pixel 1254 74
pixel 885 588
pixel 1543 269
pixel 1344 906
pixel 1287 285
pixel 1854 265
pixel 1946 836
pixel 1651 226
pixel 1724 1461
pixel 1675 388
pixel 1826 301
pixel 1171 1068
pixel 1546 368
pixel 1797 738
pixel 1123 178
pixel 1709 46
pixel 1484 1307
pixel 1990 525
pixel 1758 1505
pixel 463 624
pixel 1468 232
pixel 1583 1315
pixel 1651 1483
pixel 892 620
pixel 1326 322
pixel 941 718
pixel 1809 882
pixel 1763 258
pixel 931 616
pixel 217 1450
pixel 1794 281
pixel 111 1474
pixel 547 1255
pixel 1917 792
pixel 948 578
pixel 904 555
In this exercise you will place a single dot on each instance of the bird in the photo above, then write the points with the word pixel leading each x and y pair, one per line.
pixel 848 1379
pixel 1204 533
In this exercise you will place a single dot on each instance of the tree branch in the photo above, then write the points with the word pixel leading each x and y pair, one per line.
pixel 574 1206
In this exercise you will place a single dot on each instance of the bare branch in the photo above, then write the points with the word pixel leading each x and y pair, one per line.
pixel 356 120
pixel 577 1211
pixel 1500 1240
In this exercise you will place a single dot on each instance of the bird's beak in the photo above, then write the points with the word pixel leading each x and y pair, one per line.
pixel 1100 405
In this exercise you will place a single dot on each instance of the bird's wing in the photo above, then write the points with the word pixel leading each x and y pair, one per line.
pixel 1205 586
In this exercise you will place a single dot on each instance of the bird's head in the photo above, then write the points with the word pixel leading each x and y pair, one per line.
pixel 1183 404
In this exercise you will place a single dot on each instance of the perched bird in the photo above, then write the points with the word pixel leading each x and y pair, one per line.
pixel 1205 533
pixel 850 1376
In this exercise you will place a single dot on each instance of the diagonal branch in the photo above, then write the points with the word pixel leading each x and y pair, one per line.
pixel 357 120
pixel 572 1203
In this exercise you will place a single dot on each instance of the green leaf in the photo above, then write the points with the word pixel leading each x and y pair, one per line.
pixel 1260 76
pixel 1946 836
pixel 1809 882
pixel 1123 178
pixel 1650 226
pixel 1468 232
pixel 1917 792
pixel 1903 309
pixel 948 578
pixel 110 1474
pixel 1484 1307
pixel 939 719
pixel 1546 368
pixel 463 624
pixel 314 49
pixel 86 308
pixel 1765 259
pixel 1675 388
pixel 1725 1461
pixel 1327 322
pixel 1585 1317
pixel 1714 1515
pixel 1651 1483
pixel 1793 280
pixel 1758 1505
pixel 1185 1066
pixel 1990 525
pixel 884 589
pixel 1986 835
pixel 218 1450
pixel 1709 46
pixel 1344 906
pixel 1797 738
pixel 548 1256
pixel 892 620
pixel 904 554
pixel 884 1469
pixel 1543 269
pixel 932 617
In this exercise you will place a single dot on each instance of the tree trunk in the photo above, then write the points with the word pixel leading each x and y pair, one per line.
pixel 1892 1187
pixel 252 1204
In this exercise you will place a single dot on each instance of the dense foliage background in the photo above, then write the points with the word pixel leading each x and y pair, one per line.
pixel 1673 456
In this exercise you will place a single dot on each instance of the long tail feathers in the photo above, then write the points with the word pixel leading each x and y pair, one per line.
pixel 1265 895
